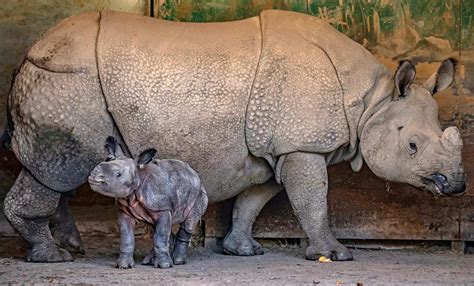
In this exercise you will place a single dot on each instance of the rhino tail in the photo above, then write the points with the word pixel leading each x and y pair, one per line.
pixel 6 140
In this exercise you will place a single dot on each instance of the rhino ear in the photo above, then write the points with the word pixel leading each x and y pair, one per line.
pixel 114 149
pixel 443 78
pixel 404 77
pixel 146 156
pixel 111 147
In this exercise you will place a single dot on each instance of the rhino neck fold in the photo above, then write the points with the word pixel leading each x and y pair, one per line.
pixel 374 103
pixel 376 100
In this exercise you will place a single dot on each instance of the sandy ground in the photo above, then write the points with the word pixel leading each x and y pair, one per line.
pixel 281 265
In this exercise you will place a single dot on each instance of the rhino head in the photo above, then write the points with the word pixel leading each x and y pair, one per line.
pixel 403 140
pixel 118 176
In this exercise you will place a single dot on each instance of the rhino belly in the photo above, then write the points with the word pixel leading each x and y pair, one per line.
pixel 183 89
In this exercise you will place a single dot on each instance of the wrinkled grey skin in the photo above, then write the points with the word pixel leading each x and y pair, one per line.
pixel 158 192
pixel 255 106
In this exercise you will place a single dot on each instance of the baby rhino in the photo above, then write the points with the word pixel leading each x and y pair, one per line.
pixel 157 192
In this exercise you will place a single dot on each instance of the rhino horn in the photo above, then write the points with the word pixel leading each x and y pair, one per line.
pixel 451 139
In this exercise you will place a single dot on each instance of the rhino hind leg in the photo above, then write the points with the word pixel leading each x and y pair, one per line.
pixel 29 206
pixel 304 177
pixel 248 205
pixel 183 237
pixel 64 228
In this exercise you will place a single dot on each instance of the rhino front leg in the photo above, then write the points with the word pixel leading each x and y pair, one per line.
pixel 64 228
pixel 28 207
pixel 305 179
pixel 248 205
pixel 127 241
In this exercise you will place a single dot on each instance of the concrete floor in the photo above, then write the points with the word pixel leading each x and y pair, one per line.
pixel 281 264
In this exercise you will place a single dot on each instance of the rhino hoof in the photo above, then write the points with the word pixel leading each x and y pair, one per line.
pixel 158 261
pixel 180 260
pixel 163 261
pixel 180 253
pixel 342 254
pixel 72 244
pixel 48 253
pixel 125 262
pixel 149 258
pixel 241 245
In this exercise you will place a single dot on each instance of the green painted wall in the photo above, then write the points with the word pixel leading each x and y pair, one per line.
pixel 423 30
pixel 359 19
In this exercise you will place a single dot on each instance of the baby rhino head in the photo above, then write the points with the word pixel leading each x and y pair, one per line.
pixel 117 176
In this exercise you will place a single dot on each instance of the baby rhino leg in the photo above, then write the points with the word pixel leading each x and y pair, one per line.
pixel 127 241
pixel 180 253
pixel 161 241
pixel 149 258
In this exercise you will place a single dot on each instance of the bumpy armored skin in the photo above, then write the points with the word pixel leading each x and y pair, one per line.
pixel 170 193
pixel 158 192
pixel 282 95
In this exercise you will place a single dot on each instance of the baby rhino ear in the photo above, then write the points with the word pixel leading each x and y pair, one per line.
pixel 146 156
pixel 111 147
pixel 114 149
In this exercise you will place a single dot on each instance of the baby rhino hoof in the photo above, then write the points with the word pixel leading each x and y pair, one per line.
pixel 160 261
pixel 179 259
pixel 163 261
pixel 48 253
pixel 125 262
pixel 341 254
pixel 180 253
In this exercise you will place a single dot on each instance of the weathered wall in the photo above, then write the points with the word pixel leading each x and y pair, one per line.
pixel 425 31
pixel 23 21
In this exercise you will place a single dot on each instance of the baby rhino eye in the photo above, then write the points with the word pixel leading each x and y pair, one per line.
pixel 118 175
pixel 413 146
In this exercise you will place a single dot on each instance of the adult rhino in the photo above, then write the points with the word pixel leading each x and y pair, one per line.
pixel 254 106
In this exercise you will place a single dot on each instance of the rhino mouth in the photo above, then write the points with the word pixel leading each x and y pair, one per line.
pixel 96 182
pixel 439 185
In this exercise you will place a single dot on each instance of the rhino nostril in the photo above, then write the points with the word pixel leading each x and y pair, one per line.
pixel 441 182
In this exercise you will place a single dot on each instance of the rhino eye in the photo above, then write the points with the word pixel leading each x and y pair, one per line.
pixel 413 147
pixel 118 175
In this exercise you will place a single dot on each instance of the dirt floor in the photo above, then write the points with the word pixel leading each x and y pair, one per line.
pixel 281 264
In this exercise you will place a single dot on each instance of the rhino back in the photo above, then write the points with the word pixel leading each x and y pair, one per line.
pixel 69 46
pixel 308 75
pixel 181 88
